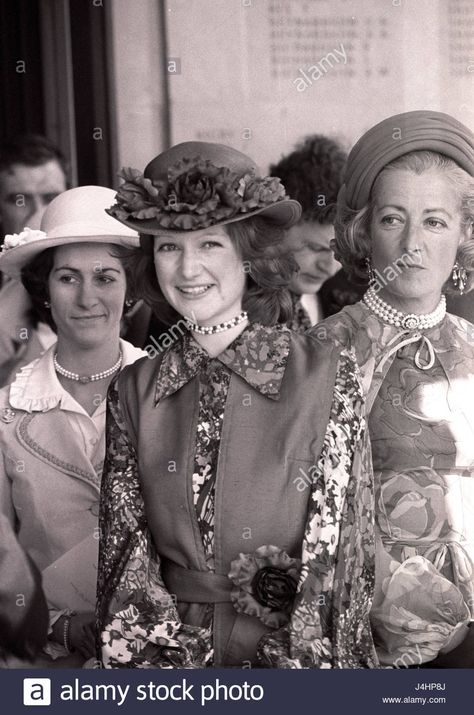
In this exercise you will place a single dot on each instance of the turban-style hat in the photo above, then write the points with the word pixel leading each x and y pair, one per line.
pixel 399 135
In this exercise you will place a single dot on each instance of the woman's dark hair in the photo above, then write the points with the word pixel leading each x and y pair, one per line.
pixel 34 277
pixel 31 150
pixel 269 267
pixel 35 274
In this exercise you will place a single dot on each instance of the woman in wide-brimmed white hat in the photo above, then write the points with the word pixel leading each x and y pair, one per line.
pixel 52 416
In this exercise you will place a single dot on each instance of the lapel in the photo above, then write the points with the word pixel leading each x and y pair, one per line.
pixel 47 439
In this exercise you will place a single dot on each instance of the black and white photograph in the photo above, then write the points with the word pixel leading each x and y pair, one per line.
pixel 237 342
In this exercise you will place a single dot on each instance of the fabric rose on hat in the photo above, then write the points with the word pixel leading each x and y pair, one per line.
pixel 258 192
pixel 138 196
pixel 197 194
pixel 197 186
pixel 265 584
pixel 12 240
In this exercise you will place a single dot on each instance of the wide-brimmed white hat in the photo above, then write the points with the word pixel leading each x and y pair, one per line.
pixel 75 216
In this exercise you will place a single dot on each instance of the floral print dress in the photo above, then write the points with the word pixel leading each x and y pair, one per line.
pixel 213 386
pixel 327 624
pixel 421 427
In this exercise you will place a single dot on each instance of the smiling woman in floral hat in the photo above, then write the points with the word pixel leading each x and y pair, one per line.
pixel 214 549
pixel 52 416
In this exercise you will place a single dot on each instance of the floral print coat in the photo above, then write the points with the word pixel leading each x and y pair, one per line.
pixel 420 397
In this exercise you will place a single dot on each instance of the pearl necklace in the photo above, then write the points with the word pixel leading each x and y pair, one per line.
pixel 212 329
pixel 409 321
pixel 86 378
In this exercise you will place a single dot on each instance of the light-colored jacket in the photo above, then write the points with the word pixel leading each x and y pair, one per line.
pixel 49 481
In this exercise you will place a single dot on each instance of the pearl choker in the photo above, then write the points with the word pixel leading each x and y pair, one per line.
pixel 86 378
pixel 409 321
pixel 212 329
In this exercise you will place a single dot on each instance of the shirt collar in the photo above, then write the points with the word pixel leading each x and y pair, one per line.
pixel 300 320
pixel 258 355
pixel 36 387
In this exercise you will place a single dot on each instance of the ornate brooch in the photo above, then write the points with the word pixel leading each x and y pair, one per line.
pixel 7 415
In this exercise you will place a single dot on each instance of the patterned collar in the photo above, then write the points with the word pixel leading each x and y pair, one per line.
pixel 258 355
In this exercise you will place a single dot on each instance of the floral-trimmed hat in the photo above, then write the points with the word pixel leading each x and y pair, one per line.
pixel 195 185
pixel 75 216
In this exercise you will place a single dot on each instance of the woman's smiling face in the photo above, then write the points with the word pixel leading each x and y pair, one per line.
pixel 416 229
pixel 200 274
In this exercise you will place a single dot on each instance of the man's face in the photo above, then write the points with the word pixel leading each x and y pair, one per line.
pixel 25 191
pixel 309 242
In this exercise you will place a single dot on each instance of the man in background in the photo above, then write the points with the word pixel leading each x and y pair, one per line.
pixel 32 173
pixel 312 174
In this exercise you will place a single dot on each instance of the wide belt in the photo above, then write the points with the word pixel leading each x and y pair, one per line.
pixel 235 635
pixel 191 586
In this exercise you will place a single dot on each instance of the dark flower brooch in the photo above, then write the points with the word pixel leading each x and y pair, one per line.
pixel 265 584
pixel 197 194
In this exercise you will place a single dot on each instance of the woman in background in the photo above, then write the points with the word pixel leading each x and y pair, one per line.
pixel 52 416
pixel 406 215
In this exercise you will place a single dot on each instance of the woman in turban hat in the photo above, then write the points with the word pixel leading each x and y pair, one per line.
pixel 405 215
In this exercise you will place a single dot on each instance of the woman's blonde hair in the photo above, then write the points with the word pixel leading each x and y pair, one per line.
pixel 352 243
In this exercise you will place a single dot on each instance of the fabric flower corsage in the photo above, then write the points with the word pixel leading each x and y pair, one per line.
pixel 265 584
pixel 196 194
pixel 12 240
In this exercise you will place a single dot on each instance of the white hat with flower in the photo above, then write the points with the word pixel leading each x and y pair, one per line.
pixel 75 216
